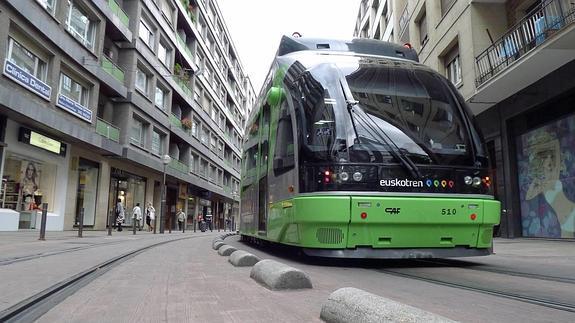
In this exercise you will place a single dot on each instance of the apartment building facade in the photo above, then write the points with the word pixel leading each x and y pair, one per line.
pixel 95 94
pixel 513 61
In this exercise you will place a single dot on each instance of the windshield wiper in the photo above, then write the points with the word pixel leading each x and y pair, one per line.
pixel 394 150
pixel 349 105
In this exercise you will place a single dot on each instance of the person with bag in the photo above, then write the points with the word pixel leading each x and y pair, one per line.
pixel 150 216
pixel 181 219
pixel 120 216
pixel 137 216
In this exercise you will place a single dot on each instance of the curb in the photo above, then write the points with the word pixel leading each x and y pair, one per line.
pixel 277 276
pixel 355 305
pixel 218 244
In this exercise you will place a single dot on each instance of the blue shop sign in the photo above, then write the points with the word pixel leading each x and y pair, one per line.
pixel 27 80
pixel 74 108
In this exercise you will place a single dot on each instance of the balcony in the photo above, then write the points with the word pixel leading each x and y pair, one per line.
pixel 107 130
pixel 179 166
pixel 185 47
pixel 529 33
pixel 184 85
pixel 537 45
pixel 112 69
pixel 119 12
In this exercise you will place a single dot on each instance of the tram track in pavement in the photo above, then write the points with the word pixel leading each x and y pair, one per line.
pixel 16 259
pixel 509 295
pixel 33 307
pixel 450 263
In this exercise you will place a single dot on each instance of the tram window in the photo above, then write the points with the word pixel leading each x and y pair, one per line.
pixel 284 157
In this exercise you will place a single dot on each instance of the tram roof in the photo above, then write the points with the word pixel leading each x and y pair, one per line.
pixel 357 45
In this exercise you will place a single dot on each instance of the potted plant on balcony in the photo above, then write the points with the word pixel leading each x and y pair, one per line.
pixel 187 123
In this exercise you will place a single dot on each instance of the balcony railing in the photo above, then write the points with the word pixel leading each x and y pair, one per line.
pixel 184 85
pixel 107 130
pixel 527 34
pixel 179 166
pixel 112 68
pixel 185 46
pixel 118 11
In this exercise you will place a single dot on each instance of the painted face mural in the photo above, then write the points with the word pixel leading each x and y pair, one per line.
pixel 546 176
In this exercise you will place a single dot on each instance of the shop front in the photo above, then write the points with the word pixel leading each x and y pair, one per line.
pixel 34 172
pixel 126 190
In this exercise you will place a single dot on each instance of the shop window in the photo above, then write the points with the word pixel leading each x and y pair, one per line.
pixel 29 183
pixel 161 97
pixel 87 190
pixel 26 60
pixel 157 143
pixel 73 90
pixel 142 80
pixel 146 34
pixel 128 189
pixel 49 5
pixel 80 25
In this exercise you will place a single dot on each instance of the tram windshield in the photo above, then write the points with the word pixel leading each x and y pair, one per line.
pixel 380 111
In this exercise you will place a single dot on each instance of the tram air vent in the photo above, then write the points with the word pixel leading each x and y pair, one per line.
pixel 329 235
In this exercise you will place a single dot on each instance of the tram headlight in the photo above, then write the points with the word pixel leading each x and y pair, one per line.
pixel 357 176
pixel 344 176
pixel 476 181
pixel 468 180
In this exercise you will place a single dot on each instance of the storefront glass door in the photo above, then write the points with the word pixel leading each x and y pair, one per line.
pixel 88 173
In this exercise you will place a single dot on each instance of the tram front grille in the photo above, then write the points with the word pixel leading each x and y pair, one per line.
pixel 329 235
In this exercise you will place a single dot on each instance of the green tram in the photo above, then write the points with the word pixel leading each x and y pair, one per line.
pixel 356 150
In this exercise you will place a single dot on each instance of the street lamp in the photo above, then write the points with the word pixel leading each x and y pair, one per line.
pixel 165 160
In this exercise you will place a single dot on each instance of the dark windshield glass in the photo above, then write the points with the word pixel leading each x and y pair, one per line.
pixel 398 108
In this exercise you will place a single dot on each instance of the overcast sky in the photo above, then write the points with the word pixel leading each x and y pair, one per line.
pixel 256 26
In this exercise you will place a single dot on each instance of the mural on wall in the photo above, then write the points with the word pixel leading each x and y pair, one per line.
pixel 546 174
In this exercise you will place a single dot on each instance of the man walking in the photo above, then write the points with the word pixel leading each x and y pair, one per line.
pixel 137 216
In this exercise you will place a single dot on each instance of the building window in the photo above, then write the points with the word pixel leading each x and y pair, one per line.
pixel 195 125
pixel 422 26
pixel 164 54
pixel 453 65
pixel 204 135
pixel 27 61
pixel 137 133
pixel 161 96
pixel 213 142
pixel 214 113
pixel 80 25
pixel 445 5
pixel 49 5
pixel 167 11
pixel 142 81
pixel 73 90
pixel 157 143
pixel 146 34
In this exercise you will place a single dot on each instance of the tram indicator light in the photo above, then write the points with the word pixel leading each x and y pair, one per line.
pixel 473 216
pixel 363 215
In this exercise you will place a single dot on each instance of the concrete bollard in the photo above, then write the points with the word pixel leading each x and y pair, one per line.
pixel 218 244
pixel 356 305
pixel 240 258
pixel 226 250
pixel 277 276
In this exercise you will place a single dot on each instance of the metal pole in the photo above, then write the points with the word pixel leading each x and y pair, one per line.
pixel 43 222
pixel 163 202
pixel 110 223
pixel 81 223
pixel 184 224
pixel 133 224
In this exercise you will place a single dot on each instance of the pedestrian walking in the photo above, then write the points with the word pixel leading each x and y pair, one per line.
pixel 150 217
pixel 181 219
pixel 120 215
pixel 137 216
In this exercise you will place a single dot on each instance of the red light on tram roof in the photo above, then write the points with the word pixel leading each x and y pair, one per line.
pixel 363 215
pixel 407 45
pixel 473 216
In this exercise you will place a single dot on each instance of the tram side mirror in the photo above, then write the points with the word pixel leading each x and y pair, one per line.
pixel 275 96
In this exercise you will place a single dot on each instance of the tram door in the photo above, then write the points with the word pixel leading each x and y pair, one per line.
pixel 263 170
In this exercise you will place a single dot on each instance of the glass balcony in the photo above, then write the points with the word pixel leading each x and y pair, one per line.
pixel 178 166
pixel 119 12
pixel 529 33
pixel 107 130
pixel 112 68
pixel 185 46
